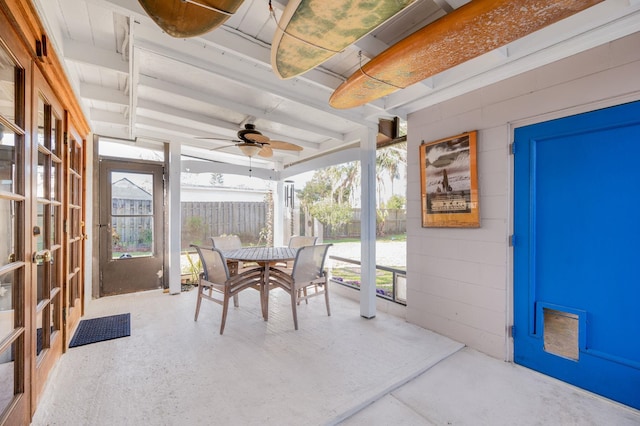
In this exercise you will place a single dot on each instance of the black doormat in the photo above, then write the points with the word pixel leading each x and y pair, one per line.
pixel 101 329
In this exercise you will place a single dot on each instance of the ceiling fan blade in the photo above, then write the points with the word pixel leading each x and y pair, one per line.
pixel 256 137
pixel 285 145
pixel 218 139
pixel 266 151
pixel 218 148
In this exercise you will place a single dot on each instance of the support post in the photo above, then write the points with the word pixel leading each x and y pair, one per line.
pixel 368 223
pixel 278 215
pixel 172 162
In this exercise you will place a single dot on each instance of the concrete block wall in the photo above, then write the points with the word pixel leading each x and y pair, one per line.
pixel 460 280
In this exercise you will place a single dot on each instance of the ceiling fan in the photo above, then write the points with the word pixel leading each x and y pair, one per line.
pixel 251 142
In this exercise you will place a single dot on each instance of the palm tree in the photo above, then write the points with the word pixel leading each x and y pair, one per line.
pixel 387 161
pixel 333 189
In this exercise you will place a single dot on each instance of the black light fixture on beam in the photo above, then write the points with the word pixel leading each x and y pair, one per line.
pixel 289 194
pixel 388 131
pixel 41 47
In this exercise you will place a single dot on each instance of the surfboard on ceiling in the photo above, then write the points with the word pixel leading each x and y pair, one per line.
pixel 189 18
pixel 312 31
pixel 468 32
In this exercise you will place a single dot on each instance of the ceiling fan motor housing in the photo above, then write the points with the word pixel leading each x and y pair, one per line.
pixel 251 135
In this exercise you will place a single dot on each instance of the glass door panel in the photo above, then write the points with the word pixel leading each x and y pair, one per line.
pixel 7 313
pixel 54 180
pixel 11 85
pixel 7 376
pixel 8 218
pixel 40 177
pixel 131 215
pixel 42 287
pixel 7 159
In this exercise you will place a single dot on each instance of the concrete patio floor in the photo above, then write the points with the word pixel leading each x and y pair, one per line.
pixel 341 369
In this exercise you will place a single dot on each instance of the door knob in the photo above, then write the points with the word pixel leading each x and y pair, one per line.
pixel 42 256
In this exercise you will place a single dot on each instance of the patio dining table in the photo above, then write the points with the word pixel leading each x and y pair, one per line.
pixel 264 257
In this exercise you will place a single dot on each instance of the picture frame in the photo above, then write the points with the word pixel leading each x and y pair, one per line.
pixel 449 182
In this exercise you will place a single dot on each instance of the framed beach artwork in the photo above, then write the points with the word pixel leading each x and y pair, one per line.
pixel 449 182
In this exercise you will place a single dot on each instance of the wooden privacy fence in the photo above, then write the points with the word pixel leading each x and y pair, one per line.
pixel 201 220
pixel 394 221
pixel 131 225
pixel 389 222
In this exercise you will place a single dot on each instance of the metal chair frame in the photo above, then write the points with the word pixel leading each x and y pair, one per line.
pixel 308 271
pixel 217 285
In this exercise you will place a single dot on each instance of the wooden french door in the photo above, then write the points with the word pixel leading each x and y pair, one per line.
pixel 47 209
pixel 15 294
pixel 75 233
pixel 41 212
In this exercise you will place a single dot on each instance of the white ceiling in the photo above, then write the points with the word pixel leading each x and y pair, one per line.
pixel 138 83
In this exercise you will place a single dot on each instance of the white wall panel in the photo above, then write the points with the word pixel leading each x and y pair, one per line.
pixel 460 280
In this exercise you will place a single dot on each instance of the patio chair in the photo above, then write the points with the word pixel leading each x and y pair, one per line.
pixel 217 285
pixel 295 242
pixel 308 270
pixel 298 241
pixel 227 243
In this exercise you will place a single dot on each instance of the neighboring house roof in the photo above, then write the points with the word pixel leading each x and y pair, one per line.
pixel 125 189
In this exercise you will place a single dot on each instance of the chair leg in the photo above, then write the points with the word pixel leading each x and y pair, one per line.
pixel 326 298
pixel 294 304
pixel 303 290
pixel 235 300
pixel 225 309
pixel 198 301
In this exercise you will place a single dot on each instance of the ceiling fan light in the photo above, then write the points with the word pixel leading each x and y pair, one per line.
pixel 249 149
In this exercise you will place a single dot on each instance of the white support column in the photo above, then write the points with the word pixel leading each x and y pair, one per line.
pixel 174 220
pixel 278 215
pixel 91 256
pixel 368 223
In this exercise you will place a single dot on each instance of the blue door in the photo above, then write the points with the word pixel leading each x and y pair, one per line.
pixel 577 250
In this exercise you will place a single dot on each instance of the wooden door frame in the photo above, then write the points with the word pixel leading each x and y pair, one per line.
pixel 41 368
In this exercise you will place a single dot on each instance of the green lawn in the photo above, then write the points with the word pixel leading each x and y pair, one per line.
pixel 399 237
